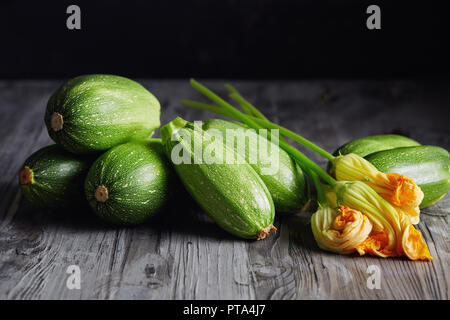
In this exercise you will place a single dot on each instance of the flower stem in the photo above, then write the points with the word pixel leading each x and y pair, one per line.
pixel 245 104
pixel 235 95
pixel 262 124
pixel 252 122
pixel 317 184
pixel 252 110
pixel 233 112
pixel 205 106
pixel 248 108
pixel 297 138
pixel 304 160
pixel 244 107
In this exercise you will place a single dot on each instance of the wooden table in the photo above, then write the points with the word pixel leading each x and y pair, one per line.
pixel 182 254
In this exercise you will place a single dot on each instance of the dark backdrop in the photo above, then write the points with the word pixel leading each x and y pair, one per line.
pixel 224 38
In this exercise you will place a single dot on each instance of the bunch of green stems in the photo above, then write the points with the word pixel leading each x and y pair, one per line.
pixel 253 118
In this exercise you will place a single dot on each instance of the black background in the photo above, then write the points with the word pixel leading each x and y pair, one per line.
pixel 251 39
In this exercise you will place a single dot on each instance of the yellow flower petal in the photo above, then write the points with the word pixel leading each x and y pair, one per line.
pixel 382 214
pixel 412 213
pixel 339 230
pixel 403 191
pixel 414 246
pixel 375 244
pixel 398 189
pixel 366 223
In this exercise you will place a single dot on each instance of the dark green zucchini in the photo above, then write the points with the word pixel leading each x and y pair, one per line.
pixel 96 112
pixel 232 194
pixel 287 186
pixel 53 178
pixel 428 166
pixel 130 183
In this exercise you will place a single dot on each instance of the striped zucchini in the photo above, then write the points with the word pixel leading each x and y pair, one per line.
pixel 53 178
pixel 370 144
pixel 287 186
pixel 130 183
pixel 93 113
pixel 233 195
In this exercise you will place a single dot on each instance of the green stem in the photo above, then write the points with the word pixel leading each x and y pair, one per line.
pixel 307 162
pixel 252 122
pixel 205 106
pixel 222 103
pixel 263 124
pixel 248 108
pixel 297 138
pixel 244 107
pixel 252 110
pixel 244 103
pixel 317 184
pixel 235 95
pixel 214 109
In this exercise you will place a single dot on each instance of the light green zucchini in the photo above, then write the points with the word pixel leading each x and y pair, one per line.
pixel 287 184
pixel 233 195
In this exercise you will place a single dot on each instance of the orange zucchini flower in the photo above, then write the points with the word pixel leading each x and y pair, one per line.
pixel 339 230
pixel 399 190
pixel 391 232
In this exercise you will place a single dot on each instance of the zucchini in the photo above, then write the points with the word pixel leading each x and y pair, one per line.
pixel 233 195
pixel 53 178
pixel 130 183
pixel 370 144
pixel 96 112
pixel 287 186
pixel 428 166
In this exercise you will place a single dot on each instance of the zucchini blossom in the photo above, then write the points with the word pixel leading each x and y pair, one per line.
pixel 339 230
pixel 356 218
pixel 401 191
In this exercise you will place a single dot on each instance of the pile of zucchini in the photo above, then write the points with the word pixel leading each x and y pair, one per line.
pixel 105 156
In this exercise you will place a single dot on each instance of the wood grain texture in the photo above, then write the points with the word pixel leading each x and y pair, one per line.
pixel 181 254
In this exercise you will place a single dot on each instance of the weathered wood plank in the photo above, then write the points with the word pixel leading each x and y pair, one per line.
pixel 182 254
